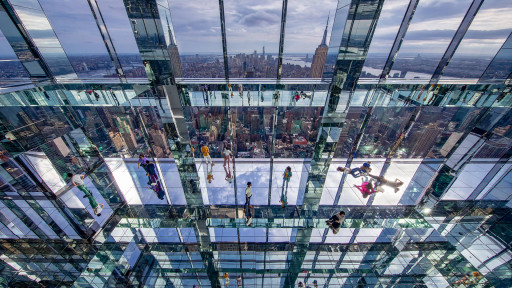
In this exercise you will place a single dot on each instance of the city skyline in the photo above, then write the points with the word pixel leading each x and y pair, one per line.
pixel 487 30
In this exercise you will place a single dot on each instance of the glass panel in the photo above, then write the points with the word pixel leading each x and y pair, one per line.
pixel 121 33
pixel 433 25
pixel 305 34
pixel 389 22
pixel 501 66
pixel 381 133
pixel 337 33
pixel 485 36
pixel 296 133
pixel 85 47
pixel 428 130
pixel 41 32
pixel 11 69
pixel 251 27
pixel 349 132
pixel 502 190
pixel 198 36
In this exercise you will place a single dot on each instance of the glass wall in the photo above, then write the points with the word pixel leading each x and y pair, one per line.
pixel 121 33
pixel 389 23
pixel 42 33
pixel 305 34
pixel 252 37
pixel 484 38
pixel 428 36
pixel 11 69
pixel 199 37
pixel 85 48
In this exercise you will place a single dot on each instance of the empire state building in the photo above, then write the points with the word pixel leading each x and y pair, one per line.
pixel 317 66
pixel 174 54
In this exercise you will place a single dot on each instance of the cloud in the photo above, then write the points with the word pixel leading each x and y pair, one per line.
pixel 260 18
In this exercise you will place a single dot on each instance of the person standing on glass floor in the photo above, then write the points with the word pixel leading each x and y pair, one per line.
pixel 357 172
pixel 206 154
pixel 248 195
pixel 77 180
pixel 142 163
pixel 287 175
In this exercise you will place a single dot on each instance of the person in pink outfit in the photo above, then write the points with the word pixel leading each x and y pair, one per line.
pixel 366 189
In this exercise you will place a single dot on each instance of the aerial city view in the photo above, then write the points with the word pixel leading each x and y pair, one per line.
pixel 255 144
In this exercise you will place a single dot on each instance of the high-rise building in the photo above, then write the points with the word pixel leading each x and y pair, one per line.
pixel 126 132
pixel 317 66
pixel 174 55
pixel 117 139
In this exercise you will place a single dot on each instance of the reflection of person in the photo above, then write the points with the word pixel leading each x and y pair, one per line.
pixel 206 154
pixel 205 94
pixel 227 155
pixel 248 215
pixel 357 172
pixel 275 98
pixel 315 283
pixel 142 163
pixel 366 189
pixel 157 188
pixel 239 281
pixel 381 181
pixel 284 199
pixel 77 180
pixel 284 192
pixel 287 175
pixel 151 172
pixel 335 221
pixel 229 176
pixel 98 208
pixel 209 174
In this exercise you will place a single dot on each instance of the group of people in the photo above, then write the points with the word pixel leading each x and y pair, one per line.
pixel 228 159
pixel 315 284
pixel 77 180
pixel 208 94
pixel 375 184
pixel 227 281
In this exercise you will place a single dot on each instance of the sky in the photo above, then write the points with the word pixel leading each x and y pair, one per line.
pixel 252 24
pixel 435 22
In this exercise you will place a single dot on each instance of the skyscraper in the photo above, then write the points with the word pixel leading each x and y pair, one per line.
pixel 174 55
pixel 317 66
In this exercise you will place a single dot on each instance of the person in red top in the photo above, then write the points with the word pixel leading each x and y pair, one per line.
pixel 366 189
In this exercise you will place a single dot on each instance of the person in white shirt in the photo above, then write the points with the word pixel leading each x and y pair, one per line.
pixel 248 194
pixel 77 180
pixel 227 155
